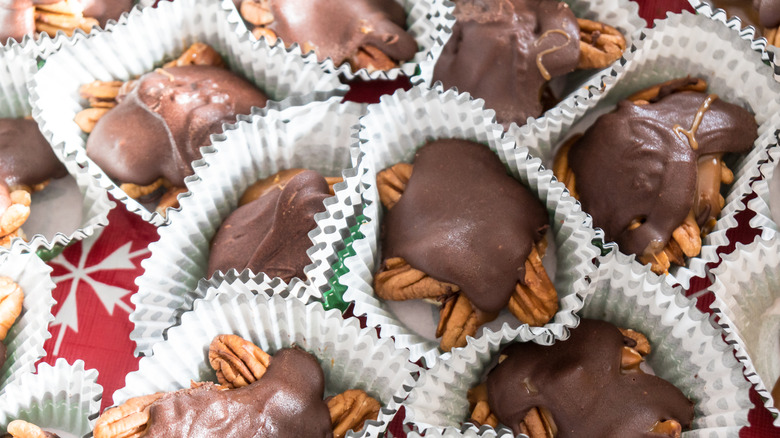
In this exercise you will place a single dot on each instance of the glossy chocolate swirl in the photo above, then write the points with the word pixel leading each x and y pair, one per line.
pixel 157 129
pixel 463 220
pixel 494 49
pixel 632 163
pixel 286 402
pixel 338 28
pixel 270 234
pixel 581 383
pixel 25 156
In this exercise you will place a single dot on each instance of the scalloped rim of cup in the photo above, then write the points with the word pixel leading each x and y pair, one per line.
pixel 302 324
pixel 71 147
pixel 550 192
pixel 70 391
pixel 326 237
pixel 439 13
pixel 743 264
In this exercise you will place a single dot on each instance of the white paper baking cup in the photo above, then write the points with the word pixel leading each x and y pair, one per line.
pixel 80 209
pixel 139 43
pixel 64 399
pixel 687 351
pixel 747 293
pixel 316 136
pixel 428 21
pixel 681 45
pixel 621 14
pixel 26 337
pixel 351 357
pixel 391 132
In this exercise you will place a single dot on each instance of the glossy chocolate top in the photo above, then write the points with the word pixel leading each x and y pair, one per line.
pixel 25 156
pixel 463 220
pixel 500 50
pixel 285 402
pixel 338 28
pixel 581 383
pixel 158 127
pixel 633 164
pixel 768 12
pixel 270 234
pixel 104 10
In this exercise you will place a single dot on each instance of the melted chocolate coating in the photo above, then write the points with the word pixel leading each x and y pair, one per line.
pixel 768 12
pixel 580 382
pixel 157 129
pixel 632 164
pixel 270 234
pixel 493 50
pixel 104 10
pixel 286 402
pixel 25 156
pixel 463 220
pixel 338 28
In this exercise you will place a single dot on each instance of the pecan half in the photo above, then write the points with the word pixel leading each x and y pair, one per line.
pixel 256 12
pixel 23 429
pixel 128 420
pixel 600 44
pixel 536 301
pixel 458 319
pixel 397 280
pixel 372 59
pixel 480 408
pixel 198 54
pixel 11 300
pixel 772 36
pixel 169 199
pixel 65 16
pixel 237 361
pixel 135 191
pixel 350 409
pixel 88 118
pixel 13 217
pixel 538 422
pixel 391 183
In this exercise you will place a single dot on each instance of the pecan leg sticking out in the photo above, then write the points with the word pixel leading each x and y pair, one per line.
pixel 600 44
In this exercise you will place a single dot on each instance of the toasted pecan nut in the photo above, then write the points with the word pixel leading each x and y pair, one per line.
pixel 600 44
pixel 457 320
pixel 88 118
pixel 264 32
pixel 128 420
pixel 688 236
pixel 256 12
pixel 23 429
pixel 372 59
pixel 538 423
pixel 52 22
pixel 398 281
pixel 671 86
pixel 536 301
pixel 135 191
pixel 670 428
pixel 65 7
pixel 332 181
pixel 198 54
pixel 5 241
pixel 237 361
pixel 11 300
pixel 391 183
pixel 13 218
pixel 350 409
pixel 103 90
pixel 561 168
pixel 480 408
pixel 170 199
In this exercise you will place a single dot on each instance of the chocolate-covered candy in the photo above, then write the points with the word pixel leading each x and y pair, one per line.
pixel 463 220
pixel 270 233
pixel 504 51
pixel 768 12
pixel 580 382
pixel 25 156
pixel 638 163
pixel 158 127
pixel 17 18
pixel 286 402
pixel 337 29
pixel 104 10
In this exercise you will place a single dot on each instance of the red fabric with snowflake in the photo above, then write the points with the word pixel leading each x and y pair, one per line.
pixel 96 278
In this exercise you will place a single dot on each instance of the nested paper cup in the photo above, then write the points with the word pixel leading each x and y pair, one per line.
pixel 429 22
pixel 350 357
pixel 147 39
pixel 392 132
pixel 747 302
pixel 80 208
pixel 687 351
pixel 621 14
pixel 684 45
pixel 24 341
pixel 63 399
pixel 316 136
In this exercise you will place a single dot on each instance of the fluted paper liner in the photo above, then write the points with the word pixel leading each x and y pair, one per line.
pixel 687 351
pixel 391 132
pixel 428 21
pixel 621 14
pixel 681 45
pixel 63 398
pixel 351 357
pixel 144 40
pixel 315 136
pixel 26 337
pixel 747 288
pixel 80 209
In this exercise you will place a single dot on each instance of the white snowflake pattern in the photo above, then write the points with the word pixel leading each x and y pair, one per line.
pixel 111 296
